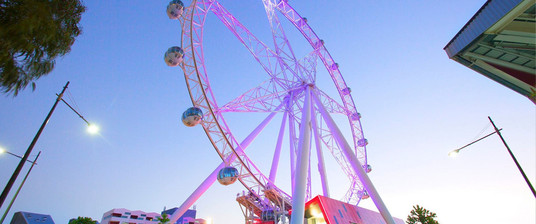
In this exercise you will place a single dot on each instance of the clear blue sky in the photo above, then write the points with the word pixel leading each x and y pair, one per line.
pixel 417 105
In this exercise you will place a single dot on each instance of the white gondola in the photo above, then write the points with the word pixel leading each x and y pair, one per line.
pixel 362 142
pixel 365 195
pixel 175 9
pixel 227 175
pixel 192 116
pixel 174 56
pixel 356 116
pixel 346 91
pixel 367 168
pixel 335 66
pixel 269 215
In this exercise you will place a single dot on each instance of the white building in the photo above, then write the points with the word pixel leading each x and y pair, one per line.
pixel 121 215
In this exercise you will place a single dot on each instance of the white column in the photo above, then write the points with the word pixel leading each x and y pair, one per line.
pixel 321 167
pixel 277 153
pixel 212 177
pixel 302 163
pixel 354 162
pixel 292 135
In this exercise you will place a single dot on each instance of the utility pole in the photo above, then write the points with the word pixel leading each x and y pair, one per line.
pixel 514 158
pixel 11 181
pixel 18 190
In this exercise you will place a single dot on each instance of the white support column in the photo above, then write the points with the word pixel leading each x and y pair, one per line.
pixel 319 154
pixel 302 163
pixel 212 177
pixel 354 162
pixel 277 153
pixel 292 135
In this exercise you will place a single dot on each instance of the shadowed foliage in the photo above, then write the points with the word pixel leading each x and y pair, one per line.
pixel 33 33
pixel 420 215
pixel 164 219
pixel 82 220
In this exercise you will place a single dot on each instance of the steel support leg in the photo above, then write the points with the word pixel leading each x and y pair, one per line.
pixel 302 163
pixel 291 137
pixel 212 177
pixel 277 153
pixel 321 167
pixel 354 162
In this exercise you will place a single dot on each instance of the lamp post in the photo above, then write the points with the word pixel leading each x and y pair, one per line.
pixel 514 158
pixel 91 128
pixel 9 184
pixel 11 181
pixel 8 152
pixel 20 187
pixel 455 152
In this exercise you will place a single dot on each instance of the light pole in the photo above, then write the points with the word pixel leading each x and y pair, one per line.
pixel 455 152
pixel 514 158
pixel 11 181
pixel 20 187
pixel 498 131
pixel 8 152
pixel 91 128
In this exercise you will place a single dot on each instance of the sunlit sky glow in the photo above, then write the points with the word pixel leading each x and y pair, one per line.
pixel 416 105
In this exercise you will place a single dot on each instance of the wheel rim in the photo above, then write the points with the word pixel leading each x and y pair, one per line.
pixel 214 124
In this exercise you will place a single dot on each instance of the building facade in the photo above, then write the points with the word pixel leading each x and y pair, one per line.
pixel 499 42
pixel 324 210
pixel 121 216
pixel 31 218
pixel 125 216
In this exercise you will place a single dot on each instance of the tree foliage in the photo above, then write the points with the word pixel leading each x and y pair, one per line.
pixel 164 219
pixel 82 220
pixel 33 33
pixel 420 215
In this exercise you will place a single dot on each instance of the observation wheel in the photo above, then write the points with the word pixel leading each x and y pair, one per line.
pixel 290 91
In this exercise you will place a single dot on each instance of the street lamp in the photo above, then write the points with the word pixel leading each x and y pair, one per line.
pixel 2 151
pixel 91 128
pixel 20 187
pixel 11 181
pixel 498 131
pixel 455 152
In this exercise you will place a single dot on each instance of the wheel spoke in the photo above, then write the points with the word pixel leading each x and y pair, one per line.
pixel 277 152
pixel 281 43
pixel 286 87
pixel 302 162
pixel 308 66
pixel 319 154
pixel 263 98
pixel 267 58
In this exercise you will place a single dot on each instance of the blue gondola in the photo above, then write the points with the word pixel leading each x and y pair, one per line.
pixel 356 116
pixel 362 142
pixel 174 56
pixel 227 175
pixel 346 91
pixel 368 168
pixel 175 9
pixel 192 116
pixel 269 215
pixel 365 195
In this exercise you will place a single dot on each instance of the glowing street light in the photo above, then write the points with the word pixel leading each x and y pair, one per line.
pixel 498 131
pixel 2 151
pixel 11 181
pixel 455 152
pixel 20 187
pixel 93 129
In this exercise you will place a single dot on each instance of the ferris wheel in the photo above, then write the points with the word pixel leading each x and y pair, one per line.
pixel 290 89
